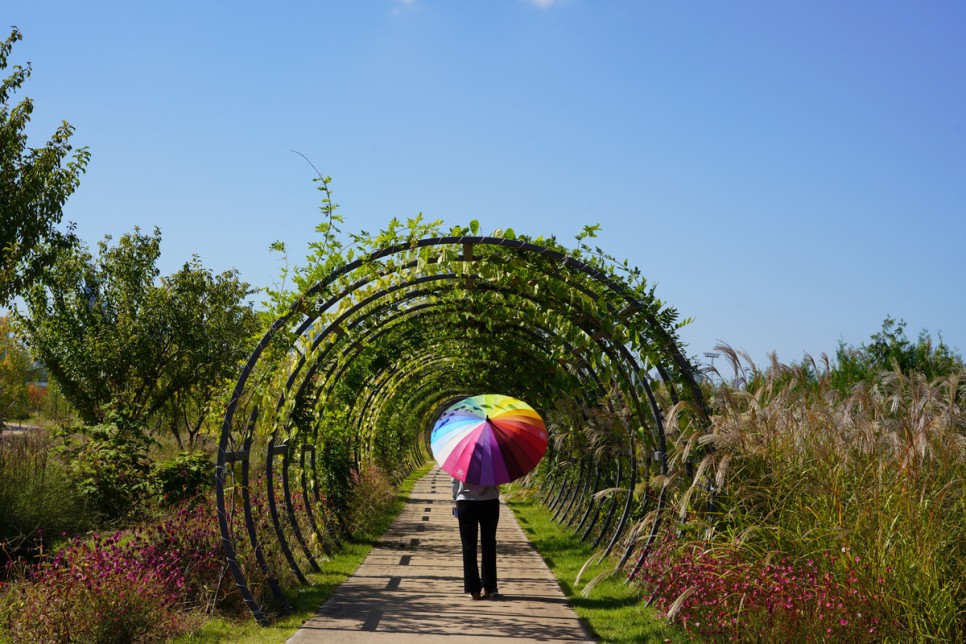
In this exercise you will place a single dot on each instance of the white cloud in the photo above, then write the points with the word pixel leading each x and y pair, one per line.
pixel 402 5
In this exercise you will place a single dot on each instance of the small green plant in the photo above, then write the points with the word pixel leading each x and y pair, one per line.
pixel 109 465
pixel 181 477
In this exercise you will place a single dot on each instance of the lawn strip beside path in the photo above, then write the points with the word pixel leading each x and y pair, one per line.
pixel 614 611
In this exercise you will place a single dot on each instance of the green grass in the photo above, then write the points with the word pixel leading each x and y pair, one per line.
pixel 306 600
pixel 614 611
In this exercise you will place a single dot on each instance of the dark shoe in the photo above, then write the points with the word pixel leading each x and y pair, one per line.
pixel 476 595
pixel 490 594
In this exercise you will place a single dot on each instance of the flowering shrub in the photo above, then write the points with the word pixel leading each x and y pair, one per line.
pixel 192 534
pixel 158 579
pixel 722 593
pixel 144 584
pixel 102 590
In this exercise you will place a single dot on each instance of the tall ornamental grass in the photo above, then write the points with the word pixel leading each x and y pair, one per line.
pixel 838 517
pixel 38 500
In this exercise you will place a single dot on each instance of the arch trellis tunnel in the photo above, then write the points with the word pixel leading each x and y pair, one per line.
pixel 353 374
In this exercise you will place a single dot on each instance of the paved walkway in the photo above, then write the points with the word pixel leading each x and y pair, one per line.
pixel 410 587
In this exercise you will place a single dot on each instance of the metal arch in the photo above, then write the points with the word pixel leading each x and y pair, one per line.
pixel 404 285
pixel 633 303
pixel 375 332
pixel 228 544
pixel 408 311
pixel 665 344
pixel 578 366
pixel 270 454
pixel 443 362
pixel 281 449
pixel 396 377
pixel 414 313
pixel 656 415
pixel 590 332
pixel 391 383
pixel 631 485
pixel 414 308
pixel 338 322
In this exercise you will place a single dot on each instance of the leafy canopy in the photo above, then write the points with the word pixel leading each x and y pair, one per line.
pixel 34 185
pixel 116 335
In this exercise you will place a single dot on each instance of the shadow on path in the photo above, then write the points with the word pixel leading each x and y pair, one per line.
pixel 409 588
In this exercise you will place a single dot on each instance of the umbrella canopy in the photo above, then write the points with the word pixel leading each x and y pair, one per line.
pixel 489 439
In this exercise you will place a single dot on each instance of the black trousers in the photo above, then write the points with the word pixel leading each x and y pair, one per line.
pixel 483 515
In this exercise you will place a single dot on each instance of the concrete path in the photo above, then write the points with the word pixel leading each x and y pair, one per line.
pixel 410 587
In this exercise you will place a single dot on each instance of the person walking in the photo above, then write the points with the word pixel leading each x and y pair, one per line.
pixel 477 508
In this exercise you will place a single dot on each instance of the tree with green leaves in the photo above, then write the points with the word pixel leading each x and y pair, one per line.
pixel 215 326
pixel 120 339
pixel 34 185
pixel 890 350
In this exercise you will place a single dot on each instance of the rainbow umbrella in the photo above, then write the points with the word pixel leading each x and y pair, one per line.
pixel 489 439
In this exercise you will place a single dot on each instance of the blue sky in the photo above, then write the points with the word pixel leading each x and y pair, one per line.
pixel 787 173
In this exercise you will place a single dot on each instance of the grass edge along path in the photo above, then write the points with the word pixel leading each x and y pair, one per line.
pixel 614 611
pixel 306 600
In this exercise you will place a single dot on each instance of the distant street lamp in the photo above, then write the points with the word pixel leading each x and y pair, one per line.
pixel 712 355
